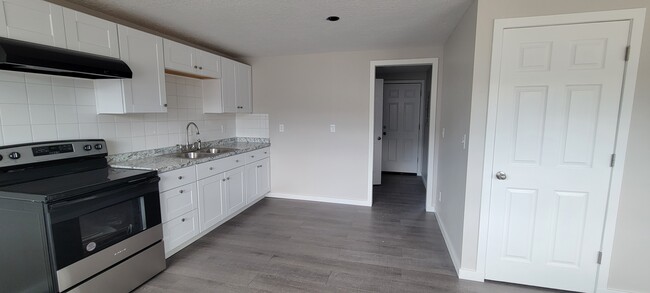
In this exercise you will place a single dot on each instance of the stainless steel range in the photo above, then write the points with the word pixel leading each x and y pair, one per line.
pixel 71 223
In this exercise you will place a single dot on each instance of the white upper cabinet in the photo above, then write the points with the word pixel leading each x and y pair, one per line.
pixel 145 92
pixel 90 34
pixel 243 88
pixel 185 59
pixel 208 64
pixel 32 21
pixel 235 89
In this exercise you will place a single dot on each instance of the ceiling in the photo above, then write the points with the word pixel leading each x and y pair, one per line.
pixel 254 28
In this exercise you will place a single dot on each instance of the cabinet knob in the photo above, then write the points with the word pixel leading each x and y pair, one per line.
pixel 265 153
pixel 200 67
pixel 252 156
pixel 224 179
pixel 259 166
pixel 183 220
pixel 195 67
pixel 236 161
pixel 180 177
pixel 228 178
pixel 165 105
pixel 211 168
pixel 181 191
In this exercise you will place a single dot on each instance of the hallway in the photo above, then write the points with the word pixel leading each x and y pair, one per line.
pixel 298 246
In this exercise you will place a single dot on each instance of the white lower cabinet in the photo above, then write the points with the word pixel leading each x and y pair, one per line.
pixel 196 199
pixel 179 230
pixel 235 189
pixel 211 200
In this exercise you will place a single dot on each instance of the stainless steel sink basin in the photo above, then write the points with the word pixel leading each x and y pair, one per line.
pixel 216 151
pixel 187 155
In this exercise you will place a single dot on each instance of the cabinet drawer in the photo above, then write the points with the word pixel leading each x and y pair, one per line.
pixel 219 166
pixel 178 201
pixel 181 229
pixel 176 178
pixel 257 155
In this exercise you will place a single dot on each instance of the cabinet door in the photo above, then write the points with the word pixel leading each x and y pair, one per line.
pixel 143 52
pixel 179 57
pixel 32 21
pixel 211 200
pixel 228 86
pixel 208 64
pixel 243 90
pixel 263 177
pixel 251 182
pixel 235 190
pixel 179 230
pixel 90 34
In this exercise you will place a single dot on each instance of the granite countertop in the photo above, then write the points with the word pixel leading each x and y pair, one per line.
pixel 162 160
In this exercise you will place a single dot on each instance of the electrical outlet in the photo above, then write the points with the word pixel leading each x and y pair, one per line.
pixel 439 196
pixel 281 127
pixel 464 141
pixel 332 127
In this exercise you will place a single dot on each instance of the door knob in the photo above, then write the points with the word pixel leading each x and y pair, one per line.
pixel 501 175
pixel 379 138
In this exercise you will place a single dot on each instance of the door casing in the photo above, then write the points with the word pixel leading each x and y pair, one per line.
pixel 637 18
pixel 432 161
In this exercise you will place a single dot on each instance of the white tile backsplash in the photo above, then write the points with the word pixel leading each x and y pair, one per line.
pixel 253 125
pixel 37 107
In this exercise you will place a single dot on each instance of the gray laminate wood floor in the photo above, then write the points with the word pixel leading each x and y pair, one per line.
pixel 297 246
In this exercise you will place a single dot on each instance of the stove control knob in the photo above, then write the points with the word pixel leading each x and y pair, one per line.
pixel 99 146
pixel 14 156
pixel 88 148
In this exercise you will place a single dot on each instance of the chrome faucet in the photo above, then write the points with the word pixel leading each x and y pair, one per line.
pixel 198 141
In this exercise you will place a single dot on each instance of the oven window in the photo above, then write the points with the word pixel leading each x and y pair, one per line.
pixel 111 225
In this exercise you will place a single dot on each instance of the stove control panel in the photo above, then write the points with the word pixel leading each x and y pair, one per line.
pixel 22 154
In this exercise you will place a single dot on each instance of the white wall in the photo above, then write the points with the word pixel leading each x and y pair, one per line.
pixel 454 116
pixel 630 258
pixel 307 93
pixel 36 107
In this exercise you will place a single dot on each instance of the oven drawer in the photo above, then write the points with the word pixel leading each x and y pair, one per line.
pixel 178 201
pixel 179 230
pixel 176 178
pixel 257 155
pixel 219 166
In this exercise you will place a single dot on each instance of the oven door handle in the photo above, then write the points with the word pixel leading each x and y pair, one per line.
pixel 61 211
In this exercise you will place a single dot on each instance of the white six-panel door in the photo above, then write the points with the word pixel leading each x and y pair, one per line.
pixel 401 126
pixel 558 103
pixel 379 121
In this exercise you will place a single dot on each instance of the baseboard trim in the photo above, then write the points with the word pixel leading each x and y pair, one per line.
pixel 452 252
pixel 319 199
pixel 471 275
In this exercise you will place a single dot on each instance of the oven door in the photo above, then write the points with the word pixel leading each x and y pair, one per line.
pixel 89 224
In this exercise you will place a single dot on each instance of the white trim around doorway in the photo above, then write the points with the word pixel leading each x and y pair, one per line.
pixel 432 157
pixel 637 19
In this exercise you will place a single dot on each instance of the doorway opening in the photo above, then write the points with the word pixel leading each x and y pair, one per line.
pixel 402 118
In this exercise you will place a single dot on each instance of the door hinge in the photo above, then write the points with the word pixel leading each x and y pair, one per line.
pixel 612 161
pixel 627 53
pixel 600 257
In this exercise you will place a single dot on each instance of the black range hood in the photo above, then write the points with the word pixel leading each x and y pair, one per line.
pixel 23 56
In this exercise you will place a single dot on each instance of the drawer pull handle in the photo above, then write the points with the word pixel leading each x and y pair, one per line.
pixel 211 168
pixel 183 220
pixel 181 191
pixel 180 177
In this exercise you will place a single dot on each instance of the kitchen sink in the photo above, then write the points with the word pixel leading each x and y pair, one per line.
pixel 202 153
pixel 216 151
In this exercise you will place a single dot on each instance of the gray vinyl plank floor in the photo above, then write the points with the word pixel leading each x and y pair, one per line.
pixel 281 245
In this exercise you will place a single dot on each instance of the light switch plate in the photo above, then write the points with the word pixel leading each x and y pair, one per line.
pixel 332 127
pixel 281 127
